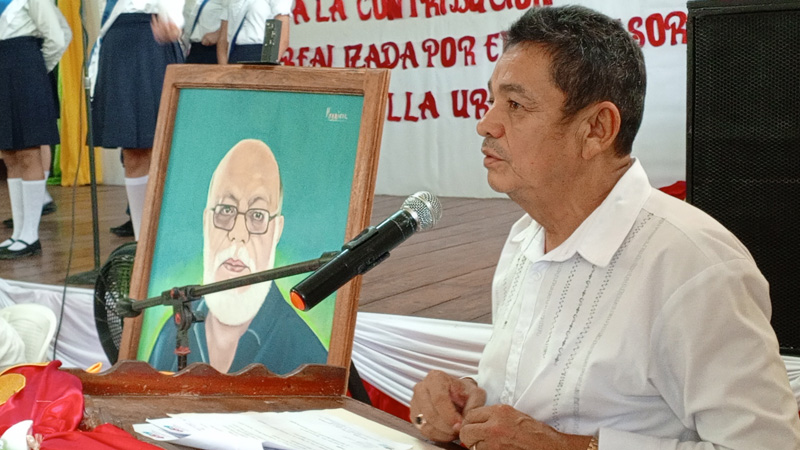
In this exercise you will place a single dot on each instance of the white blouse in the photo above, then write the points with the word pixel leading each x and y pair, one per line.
pixel 40 19
pixel 209 20
pixel 251 16
pixel 172 9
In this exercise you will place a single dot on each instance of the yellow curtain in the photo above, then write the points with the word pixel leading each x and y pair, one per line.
pixel 73 105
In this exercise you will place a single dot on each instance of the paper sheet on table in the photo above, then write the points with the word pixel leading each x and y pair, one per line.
pixel 327 429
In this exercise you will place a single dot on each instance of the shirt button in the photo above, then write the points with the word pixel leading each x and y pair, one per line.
pixel 537 276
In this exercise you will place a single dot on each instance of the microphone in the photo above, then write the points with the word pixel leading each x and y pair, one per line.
pixel 420 212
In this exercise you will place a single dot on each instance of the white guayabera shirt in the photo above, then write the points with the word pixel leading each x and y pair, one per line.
pixel 648 327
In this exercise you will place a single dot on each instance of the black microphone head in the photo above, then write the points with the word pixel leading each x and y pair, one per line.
pixel 425 208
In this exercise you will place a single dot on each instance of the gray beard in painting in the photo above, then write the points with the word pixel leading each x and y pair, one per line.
pixel 235 306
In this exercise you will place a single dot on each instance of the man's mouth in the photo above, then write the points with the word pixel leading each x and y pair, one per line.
pixel 234 265
pixel 489 157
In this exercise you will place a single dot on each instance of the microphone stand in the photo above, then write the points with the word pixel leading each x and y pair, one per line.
pixel 90 276
pixel 181 297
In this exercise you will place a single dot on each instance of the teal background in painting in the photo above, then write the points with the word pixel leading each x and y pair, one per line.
pixel 315 154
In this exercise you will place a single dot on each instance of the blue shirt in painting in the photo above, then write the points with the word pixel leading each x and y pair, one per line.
pixel 277 338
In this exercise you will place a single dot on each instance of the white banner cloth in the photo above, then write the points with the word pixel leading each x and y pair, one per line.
pixel 441 55
pixel 77 342
pixel 394 352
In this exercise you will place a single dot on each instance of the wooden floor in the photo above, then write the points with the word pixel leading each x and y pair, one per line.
pixel 442 273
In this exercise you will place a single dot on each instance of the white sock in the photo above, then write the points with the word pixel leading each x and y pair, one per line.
pixel 47 197
pixel 136 189
pixel 32 198
pixel 17 214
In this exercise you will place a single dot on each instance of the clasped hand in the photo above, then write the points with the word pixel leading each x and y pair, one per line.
pixel 450 408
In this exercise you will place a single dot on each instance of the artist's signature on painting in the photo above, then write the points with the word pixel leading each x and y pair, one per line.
pixel 335 116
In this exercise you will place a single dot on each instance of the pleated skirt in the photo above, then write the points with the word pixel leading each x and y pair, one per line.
pixel 245 53
pixel 202 54
pixel 28 111
pixel 130 77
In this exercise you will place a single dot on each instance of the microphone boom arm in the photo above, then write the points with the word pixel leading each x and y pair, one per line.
pixel 181 297
pixel 189 293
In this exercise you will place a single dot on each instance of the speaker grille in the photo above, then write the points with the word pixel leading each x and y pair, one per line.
pixel 744 141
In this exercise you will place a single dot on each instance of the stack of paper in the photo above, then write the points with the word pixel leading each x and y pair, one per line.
pixel 327 429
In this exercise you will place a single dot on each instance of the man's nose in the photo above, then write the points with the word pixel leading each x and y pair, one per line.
pixel 239 231
pixel 488 125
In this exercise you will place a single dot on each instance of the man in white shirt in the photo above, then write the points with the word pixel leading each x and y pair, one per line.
pixel 623 319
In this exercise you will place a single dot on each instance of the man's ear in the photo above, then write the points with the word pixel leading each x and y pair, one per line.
pixel 277 224
pixel 601 125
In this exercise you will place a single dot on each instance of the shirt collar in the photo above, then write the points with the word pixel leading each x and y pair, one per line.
pixel 600 235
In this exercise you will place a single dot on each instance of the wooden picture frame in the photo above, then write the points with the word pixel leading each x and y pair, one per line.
pixel 199 104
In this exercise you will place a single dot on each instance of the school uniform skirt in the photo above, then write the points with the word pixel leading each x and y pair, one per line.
pixel 202 54
pixel 28 115
pixel 130 76
pixel 245 53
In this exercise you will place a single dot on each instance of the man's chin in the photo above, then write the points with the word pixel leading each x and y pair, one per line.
pixel 233 308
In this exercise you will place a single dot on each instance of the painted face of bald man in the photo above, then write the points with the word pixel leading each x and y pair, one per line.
pixel 241 228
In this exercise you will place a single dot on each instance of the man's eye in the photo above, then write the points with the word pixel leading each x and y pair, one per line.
pixel 490 101
pixel 514 105
pixel 227 210
pixel 257 215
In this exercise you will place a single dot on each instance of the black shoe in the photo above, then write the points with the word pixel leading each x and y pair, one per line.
pixel 124 230
pixel 47 208
pixel 28 250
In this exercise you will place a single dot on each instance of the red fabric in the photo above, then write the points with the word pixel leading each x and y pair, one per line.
pixel 677 189
pixel 386 403
pixel 51 398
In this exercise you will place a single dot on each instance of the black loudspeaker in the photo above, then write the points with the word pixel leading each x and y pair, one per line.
pixel 743 137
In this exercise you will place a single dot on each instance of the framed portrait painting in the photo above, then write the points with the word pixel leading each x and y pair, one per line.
pixel 254 168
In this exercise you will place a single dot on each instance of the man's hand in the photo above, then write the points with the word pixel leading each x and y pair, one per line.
pixel 442 401
pixel 164 30
pixel 501 427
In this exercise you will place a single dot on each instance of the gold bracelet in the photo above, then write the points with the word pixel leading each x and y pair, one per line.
pixel 593 444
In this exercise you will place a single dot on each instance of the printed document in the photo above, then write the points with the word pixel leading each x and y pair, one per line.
pixel 326 429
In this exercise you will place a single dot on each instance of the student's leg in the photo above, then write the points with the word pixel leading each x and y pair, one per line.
pixel 15 197
pixel 47 163
pixel 27 165
pixel 137 167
